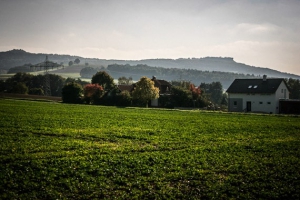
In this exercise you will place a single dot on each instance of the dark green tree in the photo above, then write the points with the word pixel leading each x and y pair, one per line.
pixel 103 79
pixel 124 99
pixel 77 61
pixel 20 88
pixel 70 63
pixel 181 97
pixel 214 91
pixel 19 77
pixel 294 87
pixel 56 84
pixel 72 93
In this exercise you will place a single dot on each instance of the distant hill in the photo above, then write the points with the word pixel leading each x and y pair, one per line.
pixel 20 57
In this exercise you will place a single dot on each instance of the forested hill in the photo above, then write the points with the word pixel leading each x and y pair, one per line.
pixel 19 57
pixel 15 58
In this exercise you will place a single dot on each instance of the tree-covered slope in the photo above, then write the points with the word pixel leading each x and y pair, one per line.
pixel 15 58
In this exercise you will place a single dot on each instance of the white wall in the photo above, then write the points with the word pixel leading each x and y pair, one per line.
pixel 259 102
pixel 282 92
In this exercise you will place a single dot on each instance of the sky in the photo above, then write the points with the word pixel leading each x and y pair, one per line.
pixel 262 33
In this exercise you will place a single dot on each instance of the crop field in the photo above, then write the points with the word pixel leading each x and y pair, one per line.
pixel 52 150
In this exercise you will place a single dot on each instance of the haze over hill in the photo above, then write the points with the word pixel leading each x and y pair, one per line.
pixel 15 58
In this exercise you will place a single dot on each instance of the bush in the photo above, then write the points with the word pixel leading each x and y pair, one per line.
pixel 72 93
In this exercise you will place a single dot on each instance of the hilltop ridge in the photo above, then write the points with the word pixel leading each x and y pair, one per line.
pixel 19 57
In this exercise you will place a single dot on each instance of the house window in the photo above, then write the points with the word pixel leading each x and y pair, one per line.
pixel 269 102
pixel 235 103
pixel 281 90
pixel 260 102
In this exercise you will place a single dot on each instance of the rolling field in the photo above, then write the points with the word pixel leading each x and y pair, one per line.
pixel 58 151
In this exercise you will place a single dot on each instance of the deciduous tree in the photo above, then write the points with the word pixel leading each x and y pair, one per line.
pixel 145 91
pixel 77 61
pixel 92 93
pixel 104 79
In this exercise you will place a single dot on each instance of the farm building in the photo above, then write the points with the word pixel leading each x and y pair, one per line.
pixel 257 95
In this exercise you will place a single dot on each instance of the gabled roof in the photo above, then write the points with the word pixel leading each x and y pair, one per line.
pixel 267 86
pixel 161 83
pixel 128 88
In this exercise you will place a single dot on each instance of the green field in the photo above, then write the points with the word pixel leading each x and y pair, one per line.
pixel 58 151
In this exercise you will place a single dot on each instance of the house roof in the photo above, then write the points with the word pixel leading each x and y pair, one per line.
pixel 128 88
pixel 161 83
pixel 268 86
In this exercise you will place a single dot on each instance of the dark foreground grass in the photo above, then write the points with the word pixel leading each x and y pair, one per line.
pixel 59 151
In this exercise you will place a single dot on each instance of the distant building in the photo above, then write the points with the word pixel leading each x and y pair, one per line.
pixel 257 95
pixel 128 88
pixel 164 89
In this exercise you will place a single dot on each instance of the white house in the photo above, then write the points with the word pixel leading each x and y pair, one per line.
pixel 257 95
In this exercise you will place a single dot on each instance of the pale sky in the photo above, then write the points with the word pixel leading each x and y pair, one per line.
pixel 262 33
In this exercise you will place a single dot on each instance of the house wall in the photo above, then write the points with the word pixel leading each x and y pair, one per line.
pixel 282 92
pixel 154 102
pixel 259 102
pixel 235 104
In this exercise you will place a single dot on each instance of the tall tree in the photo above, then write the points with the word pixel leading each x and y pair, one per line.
pixel 104 79
pixel 145 91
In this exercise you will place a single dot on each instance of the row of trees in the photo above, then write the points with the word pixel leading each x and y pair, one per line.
pixel 76 61
pixel 25 83
pixel 102 90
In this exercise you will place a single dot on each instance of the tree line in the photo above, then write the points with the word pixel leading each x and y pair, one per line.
pixel 169 74
pixel 103 91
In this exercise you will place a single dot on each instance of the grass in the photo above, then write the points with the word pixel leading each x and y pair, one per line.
pixel 57 151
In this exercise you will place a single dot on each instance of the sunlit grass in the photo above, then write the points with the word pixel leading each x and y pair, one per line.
pixel 55 151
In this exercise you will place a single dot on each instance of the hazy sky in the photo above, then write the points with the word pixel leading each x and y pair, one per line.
pixel 263 33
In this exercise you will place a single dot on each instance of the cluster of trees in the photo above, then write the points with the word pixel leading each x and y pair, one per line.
pixel 103 91
pixel 25 83
pixel 294 87
pixel 76 61
pixel 186 94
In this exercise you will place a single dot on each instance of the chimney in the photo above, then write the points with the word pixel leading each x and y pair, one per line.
pixel 264 77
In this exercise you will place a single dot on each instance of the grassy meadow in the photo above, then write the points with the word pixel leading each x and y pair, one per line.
pixel 60 151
